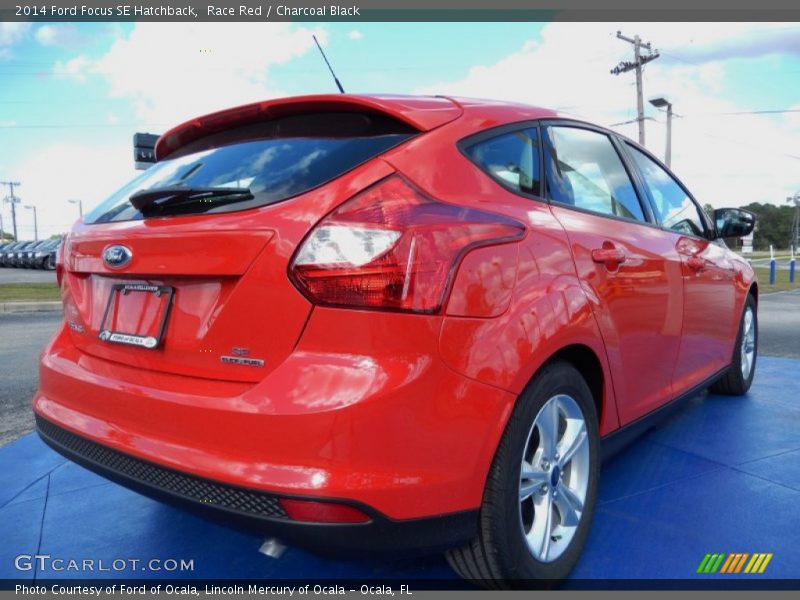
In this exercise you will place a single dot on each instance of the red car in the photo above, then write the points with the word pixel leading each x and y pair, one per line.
pixel 362 323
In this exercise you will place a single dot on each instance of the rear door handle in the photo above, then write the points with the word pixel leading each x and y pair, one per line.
pixel 611 256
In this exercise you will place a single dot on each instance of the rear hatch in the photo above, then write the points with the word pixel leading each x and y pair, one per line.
pixel 184 270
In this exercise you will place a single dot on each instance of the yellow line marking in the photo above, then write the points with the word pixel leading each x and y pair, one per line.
pixel 765 563
pixel 758 563
pixel 751 563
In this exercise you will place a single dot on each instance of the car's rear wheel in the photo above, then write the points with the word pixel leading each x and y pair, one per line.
pixel 540 493
pixel 738 379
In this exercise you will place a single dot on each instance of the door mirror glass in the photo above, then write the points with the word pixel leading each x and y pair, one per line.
pixel 733 222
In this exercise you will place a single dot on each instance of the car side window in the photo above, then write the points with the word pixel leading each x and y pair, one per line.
pixel 673 206
pixel 584 170
pixel 510 158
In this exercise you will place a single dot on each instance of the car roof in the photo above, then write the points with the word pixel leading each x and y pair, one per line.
pixel 423 113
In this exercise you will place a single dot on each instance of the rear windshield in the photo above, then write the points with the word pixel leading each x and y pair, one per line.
pixel 275 161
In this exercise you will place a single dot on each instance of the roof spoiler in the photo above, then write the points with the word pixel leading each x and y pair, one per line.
pixel 423 113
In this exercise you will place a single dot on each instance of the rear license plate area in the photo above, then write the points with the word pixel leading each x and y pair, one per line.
pixel 136 315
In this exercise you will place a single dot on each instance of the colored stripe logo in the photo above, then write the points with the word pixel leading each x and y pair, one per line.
pixel 737 562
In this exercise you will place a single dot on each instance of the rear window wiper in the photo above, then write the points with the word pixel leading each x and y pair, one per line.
pixel 155 200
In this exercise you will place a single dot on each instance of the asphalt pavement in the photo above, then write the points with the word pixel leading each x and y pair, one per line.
pixel 26 276
pixel 23 335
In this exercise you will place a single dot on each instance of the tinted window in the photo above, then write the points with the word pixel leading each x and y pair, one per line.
pixel 511 158
pixel 673 206
pixel 585 171
pixel 275 160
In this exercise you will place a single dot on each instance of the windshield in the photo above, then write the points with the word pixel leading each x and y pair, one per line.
pixel 272 167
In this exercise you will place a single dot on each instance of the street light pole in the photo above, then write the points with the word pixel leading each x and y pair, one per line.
pixel 796 221
pixel 80 206
pixel 35 222
pixel 664 103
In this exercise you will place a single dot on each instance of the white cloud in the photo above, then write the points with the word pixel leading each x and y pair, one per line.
pixel 173 71
pixel 725 160
pixel 76 68
pixel 61 171
pixel 355 35
pixel 11 34
pixel 61 35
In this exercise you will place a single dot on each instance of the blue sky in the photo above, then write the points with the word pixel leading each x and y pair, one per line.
pixel 74 94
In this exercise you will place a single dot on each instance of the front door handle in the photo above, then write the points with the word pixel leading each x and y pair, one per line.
pixel 610 255
pixel 696 263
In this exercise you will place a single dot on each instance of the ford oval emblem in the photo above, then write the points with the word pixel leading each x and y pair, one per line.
pixel 117 256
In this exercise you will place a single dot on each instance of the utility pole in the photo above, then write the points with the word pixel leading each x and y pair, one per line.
pixel 12 199
pixel 637 64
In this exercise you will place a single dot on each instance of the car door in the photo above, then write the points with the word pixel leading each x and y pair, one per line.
pixel 629 268
pixel 710 319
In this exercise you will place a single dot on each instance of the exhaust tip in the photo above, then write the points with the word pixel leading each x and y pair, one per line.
pixel 272 547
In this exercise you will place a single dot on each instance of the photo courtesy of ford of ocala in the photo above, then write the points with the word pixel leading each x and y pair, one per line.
pixel 364 323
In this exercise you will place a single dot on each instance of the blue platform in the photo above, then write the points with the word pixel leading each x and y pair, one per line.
pixel 721 475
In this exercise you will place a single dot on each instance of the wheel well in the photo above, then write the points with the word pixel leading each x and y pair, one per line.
pixel 584 359
pixel 753 291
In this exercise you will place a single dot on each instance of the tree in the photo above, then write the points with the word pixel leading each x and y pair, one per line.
pixel 773 225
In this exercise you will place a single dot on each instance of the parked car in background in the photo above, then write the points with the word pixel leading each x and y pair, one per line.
pixel 6 251
pixel 29 254
pixel 52 255
pixel 16 255
pixel 365 323
pixel 3 247
pixel 39 256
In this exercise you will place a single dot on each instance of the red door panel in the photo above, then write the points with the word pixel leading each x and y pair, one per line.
pixel 710 317
pixel 632 274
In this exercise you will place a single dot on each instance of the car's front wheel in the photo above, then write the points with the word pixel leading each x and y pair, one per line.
pixel 541 488
pixel 739 377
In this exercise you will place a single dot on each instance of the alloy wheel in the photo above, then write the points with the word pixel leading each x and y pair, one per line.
pixel 748 347
pixel 554 478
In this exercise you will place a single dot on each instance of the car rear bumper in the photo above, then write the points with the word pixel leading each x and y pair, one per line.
pixel 396 433
pixel 258 512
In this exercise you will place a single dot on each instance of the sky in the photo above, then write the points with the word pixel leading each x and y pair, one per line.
pixel 73 94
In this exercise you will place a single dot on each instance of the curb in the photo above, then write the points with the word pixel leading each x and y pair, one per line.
pixel 18 307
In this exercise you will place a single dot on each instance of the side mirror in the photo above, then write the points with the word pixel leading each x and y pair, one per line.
pixel 733 222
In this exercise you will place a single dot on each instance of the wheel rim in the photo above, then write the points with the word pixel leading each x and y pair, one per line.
pixel 748 348
pixel 554 478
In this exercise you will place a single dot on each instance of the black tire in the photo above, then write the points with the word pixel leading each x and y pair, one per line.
pixel 499 557
pixel 734 383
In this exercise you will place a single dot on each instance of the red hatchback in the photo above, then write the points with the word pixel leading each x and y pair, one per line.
pixel 361 323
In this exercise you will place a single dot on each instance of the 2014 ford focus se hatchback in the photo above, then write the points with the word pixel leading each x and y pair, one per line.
pixel 363 323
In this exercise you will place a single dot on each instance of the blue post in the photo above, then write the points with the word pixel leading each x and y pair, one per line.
pixel 791 270
pixel 772 271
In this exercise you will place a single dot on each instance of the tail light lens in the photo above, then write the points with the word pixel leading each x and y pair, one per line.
pixel 392 247
pixel 322 512
pixel 60 261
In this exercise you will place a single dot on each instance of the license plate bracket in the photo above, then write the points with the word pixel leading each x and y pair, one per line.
pixel 150 328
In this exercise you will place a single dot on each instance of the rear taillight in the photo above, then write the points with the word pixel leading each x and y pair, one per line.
pixel 60 262
pixel 392 247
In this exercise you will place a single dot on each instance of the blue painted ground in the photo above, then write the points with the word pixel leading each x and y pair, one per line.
pixel 721 475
